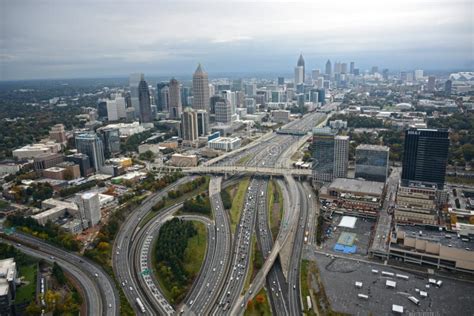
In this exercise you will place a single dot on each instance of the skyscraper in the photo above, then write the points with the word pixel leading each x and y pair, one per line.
pixel 281 81
pixel 425 156
pixel 351 67
pixel 144 102
pixel 111 140
pixel 344 68
pixel 371 162
pixel 161 103
pixel 341 156
pixel 323 154
pixel 175 106
pixel 223 111
pixel 431 83
pixel 448 86
pixel 203 122
pixel 299 75
pixel 189 125
pixel 200 89
pixel 300 63
pixel 89 208
pixel 91 145
pixel 328 68
pixel 134 81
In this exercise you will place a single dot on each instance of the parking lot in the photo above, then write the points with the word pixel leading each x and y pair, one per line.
pixel 339 276
pixel 361 233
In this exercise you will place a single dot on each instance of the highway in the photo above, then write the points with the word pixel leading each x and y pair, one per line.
pixel 122 257
pixel 101 294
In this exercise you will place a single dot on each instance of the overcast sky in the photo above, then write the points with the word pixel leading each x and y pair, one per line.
pixel 102 38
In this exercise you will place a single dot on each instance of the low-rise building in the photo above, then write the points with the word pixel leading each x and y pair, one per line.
pixel 281 116
pixel 45 161
pixel 9 168
pixel 74 226
pixel 417 204
pixel 35 150
pixel 356 196
pixel 224 143
pixel 180 160
pixel 54 210
pixel 154 148
pixel 54 173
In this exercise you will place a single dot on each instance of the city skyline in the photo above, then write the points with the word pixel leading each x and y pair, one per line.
pixel 159 40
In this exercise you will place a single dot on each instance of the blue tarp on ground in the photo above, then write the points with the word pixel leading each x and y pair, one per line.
pixel 345 249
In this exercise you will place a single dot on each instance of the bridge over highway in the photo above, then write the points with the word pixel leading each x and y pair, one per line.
pixel 231 170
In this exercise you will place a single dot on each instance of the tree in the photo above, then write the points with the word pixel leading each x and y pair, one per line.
pixel 59 274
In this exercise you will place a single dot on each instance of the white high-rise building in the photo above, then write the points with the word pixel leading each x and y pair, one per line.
pixel 121 107
pixel 112 110
pixel 134 81
pixel 299 74
pixel 89 208
pixel 223 112
pixel 418 74
pixel 200 89
pixel 341 156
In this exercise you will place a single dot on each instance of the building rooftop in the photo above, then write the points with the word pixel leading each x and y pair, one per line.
pixel 359 186
pixel 373 147
pixel 444 238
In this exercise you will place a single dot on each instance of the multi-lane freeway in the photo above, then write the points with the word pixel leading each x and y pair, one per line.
pixel 101 294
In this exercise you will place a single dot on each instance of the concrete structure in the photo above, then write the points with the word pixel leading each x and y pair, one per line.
pixel 203 122
pixel 433 248
pixel 55 209
pixel 57 133
pixel 73 226
pixel 417 204
pixel 9 168
pixel 8 280
pixel 72 170
pixel 54 173
pixel 35 150
pixel 91 145
pixel 82 160
pixel 175 104
pixel 112 110
pixel 224 143
pixel 281 116
pixel 341 156
pixel 45 161
pixel 189 125
pixel 372 162
pixel 180 160
pixel 356 196
pixel 111 140
pixel 89 208
pixel 154 148
pixel 223 110
pixel 125 129
pixel 200 89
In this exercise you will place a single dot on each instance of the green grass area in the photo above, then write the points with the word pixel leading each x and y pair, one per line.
pixel 459 180
pixel 196 250
pixel 243 160
pixel 259 306
pixel 3 204
pixel 27 292
pixel 238 199
pixel 305 278
pixel 256 262
pixel 275 207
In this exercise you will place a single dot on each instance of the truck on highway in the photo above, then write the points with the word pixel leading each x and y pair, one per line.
pixel 140 305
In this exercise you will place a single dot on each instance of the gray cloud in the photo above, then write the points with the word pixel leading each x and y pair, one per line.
pixel 46 39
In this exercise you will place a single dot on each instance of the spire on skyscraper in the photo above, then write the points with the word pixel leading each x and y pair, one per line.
pixel 300 61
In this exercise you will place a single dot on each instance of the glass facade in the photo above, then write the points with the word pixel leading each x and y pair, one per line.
pixel 372 162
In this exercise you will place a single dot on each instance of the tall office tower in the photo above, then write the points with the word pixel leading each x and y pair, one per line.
pixel 214 99
pixel 372 162
pixel 337 67
pixel 250 105
pixel 314 96
pixel 418 74
pixel 111 140
pixel 323 154
pixel 121 107
pixel 448 87
pixel 281 81
pixel 237 85
pixel 374 70
pixel 344 68
pixel 300 63
pixel 425 156
pixel 431 84
pixel 212 90
pixel 83 161
pixel 165 98
pixel 189 125
pixel 112 110
pixel 328 68
pixel 57 133
pixel 299 75
pixel 223 111
pixel 403 76
pixel 322 96
pixel 162 98
pixel 351 67
pixel 144 101
pixel 91 145
pixel 385 74
pixel 203 122
pixel 251 89
pixel 315 74
pixel 185 94
pixel 341 156
pixel 102 109
pixel 133 81
pixel 175 106
pixel 200 89
pixel 89 208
